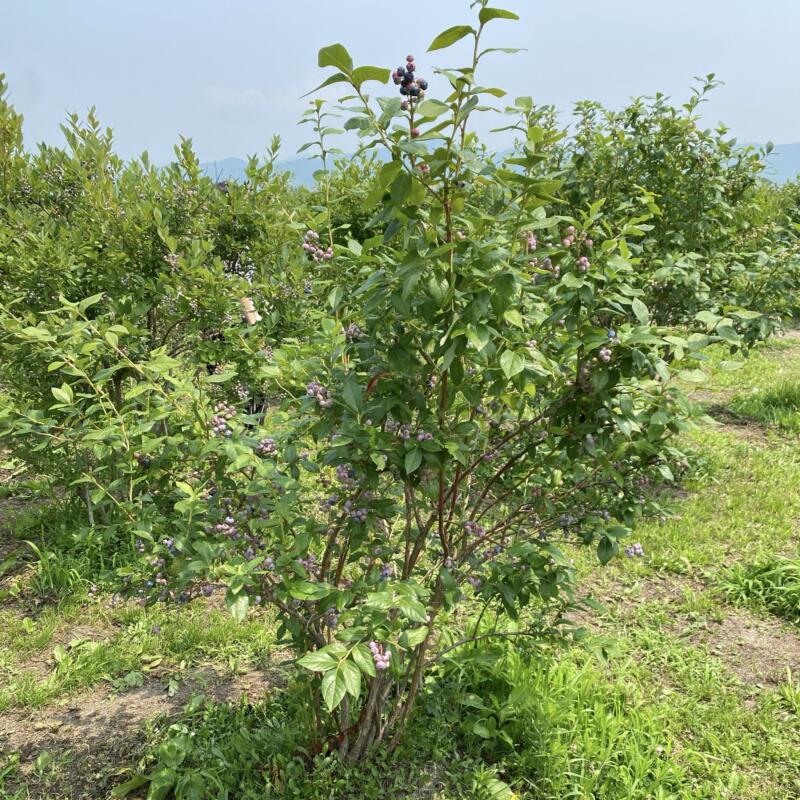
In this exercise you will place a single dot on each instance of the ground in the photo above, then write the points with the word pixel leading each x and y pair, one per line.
pixel 85 683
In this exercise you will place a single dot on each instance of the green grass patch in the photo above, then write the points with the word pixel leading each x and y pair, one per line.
pixel 67 650
pixel 773 585
pixel 776 361
pixel 778 406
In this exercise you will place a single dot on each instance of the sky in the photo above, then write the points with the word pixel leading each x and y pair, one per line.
pixel 231 74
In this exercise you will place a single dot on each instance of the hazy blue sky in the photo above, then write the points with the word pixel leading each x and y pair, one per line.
pixel 230 74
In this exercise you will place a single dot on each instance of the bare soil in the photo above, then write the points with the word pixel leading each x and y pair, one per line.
pixel 92 734
pixel 758 651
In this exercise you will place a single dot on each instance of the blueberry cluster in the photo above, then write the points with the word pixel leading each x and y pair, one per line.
pixel 380 656
pixel 474 529
pixel 424 436
pixel 346 474
pixel 329 503
pixel 309 563
pixel 604 354
pixel 545 264
pixel 386 572
pixel 579 241
pixel 492 552
pixel 356 514
pixel 267 447
pixel 311 246
pixel 143 460
pixel 227 527
pixel 403 431
pixel 219 422
pixel 635 550
pixel 573 236
pixel 530 240
pixel 353 332
pixel 410 86
pixel 316 389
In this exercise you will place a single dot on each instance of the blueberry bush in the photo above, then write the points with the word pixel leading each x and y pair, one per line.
pixel 390 408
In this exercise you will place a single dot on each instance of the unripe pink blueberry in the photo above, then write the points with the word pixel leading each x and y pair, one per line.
pixel 415 132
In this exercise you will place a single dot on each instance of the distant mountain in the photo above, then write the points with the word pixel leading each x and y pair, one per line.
pixel 233 169
pixel 783 164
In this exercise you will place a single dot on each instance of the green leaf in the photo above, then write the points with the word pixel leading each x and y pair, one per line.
pixel 309 590
pixel 514 317
pixel 335 297
pixel 709 317
pixel 747 315
pixel 359 123
pixel 339 77
pixel 450 36
pixel 479 335
pixel 416 636
pixel 336 55
pixel 692 376
pixel 237 605
pixel 412 609
pixel 640 309
pixel 728 333
pixel 607 549
pixel 352 678
pixel 363 74
pixel 363 658
pixel 334 688
pixel 318 661
pixel 511 363
pixel 64 394
pixel 413 460
pixel 430 109
pixel 495 789
pixel 221 378
pixel 124 789
pixel 488 14
pixel 90 301
pixel 352 394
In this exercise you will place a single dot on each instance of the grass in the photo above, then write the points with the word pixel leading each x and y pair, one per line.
pixel 671 711
pixel 112 643
pixel 773 585
pixel 778 406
